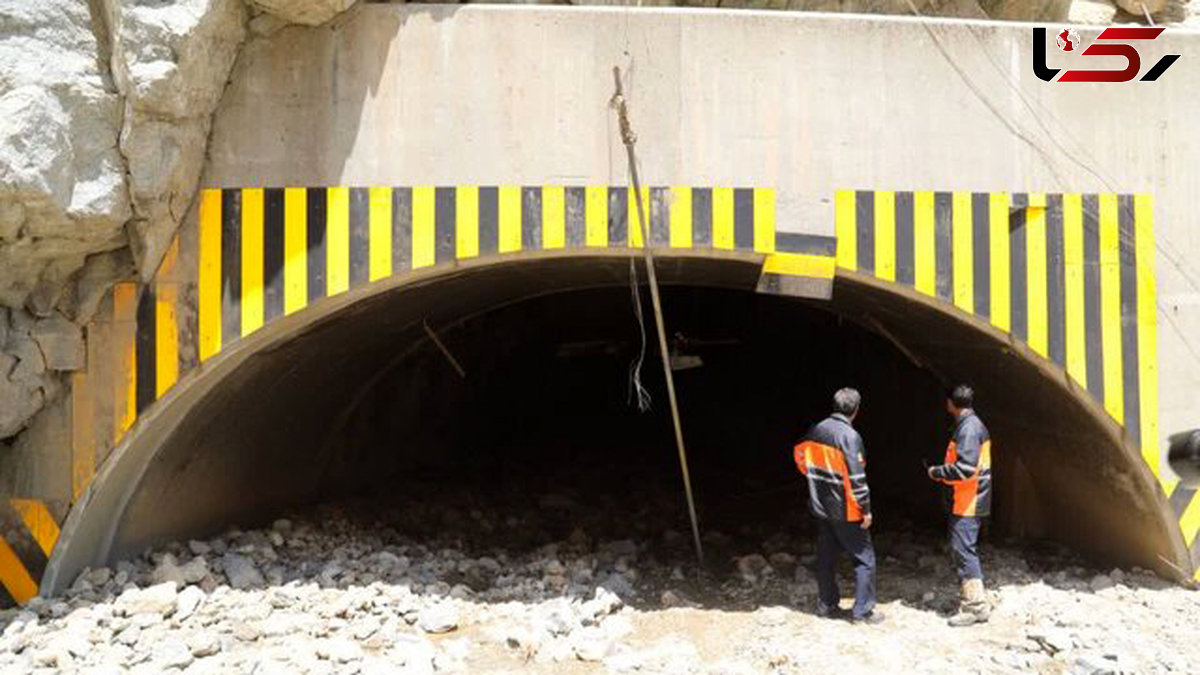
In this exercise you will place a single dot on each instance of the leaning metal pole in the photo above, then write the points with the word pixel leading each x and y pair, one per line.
pixel 628 138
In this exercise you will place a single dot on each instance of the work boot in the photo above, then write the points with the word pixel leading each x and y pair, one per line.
pixel 869 619
pixel 830 612
pixel 974 607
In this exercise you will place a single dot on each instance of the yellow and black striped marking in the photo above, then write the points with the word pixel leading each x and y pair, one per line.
pixel 1070 275
pixel 268 252
pixel 29 534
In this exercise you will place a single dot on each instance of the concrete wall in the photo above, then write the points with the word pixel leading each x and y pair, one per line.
pixel 805 103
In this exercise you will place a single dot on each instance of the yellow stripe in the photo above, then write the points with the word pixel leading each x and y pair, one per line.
pixel 1001 305
pixel 509 217
pixel 83 436
pixel 764 220
pixel 125 338
pixel 681 217
pixel 962 252
pixel 252 260
pixel 635 224
pixel 554 223
pixel 466 221
pixel 1189 522
pixel 166 339
pixel 1076 333
pixel 1110 307
pixel 295 249
pixel 924 244
pixel 380 233
pixel 1035 273
pixel 846 227
pixel 801 264
pixel 885 235
pixel 1143 222
pixel 596 216
pixel 38 521
pixel 424 237
pixel 337 241
pixel 14 576
pixel 722 218
pixel 166 324
pixel 209 275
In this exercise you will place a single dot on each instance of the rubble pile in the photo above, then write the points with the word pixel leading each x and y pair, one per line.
pixel 455 581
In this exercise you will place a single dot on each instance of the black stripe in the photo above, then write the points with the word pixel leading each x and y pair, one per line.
pixel 1129 319
pixel 145 350
pixel 575 205
pixel 943 244
pixel 618 216
pixel 905 242
pixel 864 225
pixel 531 218
pixel 444 218
pixel 360 236
pixel 22 542
pixel 401 229
pixel 743 218
pixel 7 601
pixel 981 258
pixel 1180 498
pixel 702 217
pixel 317 200
pixel 1019 281
pixel 1056 281
pixel 273 253
pixel 812 244
pixel 660 219
pixel 489 220
pixel 1091 297
pixel 231 265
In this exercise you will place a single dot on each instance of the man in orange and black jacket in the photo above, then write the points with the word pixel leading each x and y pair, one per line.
pixel 967 473
pixel 833 461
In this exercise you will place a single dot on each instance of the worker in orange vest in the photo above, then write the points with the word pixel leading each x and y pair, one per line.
pixel 967 473
pixel 833 461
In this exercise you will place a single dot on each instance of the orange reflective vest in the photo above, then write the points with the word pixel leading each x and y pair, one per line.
pixel 968 468
pixel 833 461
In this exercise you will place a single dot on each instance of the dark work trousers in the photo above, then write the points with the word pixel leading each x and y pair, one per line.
pixel 835 536
pixel 964 546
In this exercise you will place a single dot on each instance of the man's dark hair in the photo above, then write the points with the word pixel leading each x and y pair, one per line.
pixel 846 401
pixel 962 396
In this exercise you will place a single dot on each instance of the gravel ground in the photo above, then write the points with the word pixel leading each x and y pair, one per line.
pixel 454 582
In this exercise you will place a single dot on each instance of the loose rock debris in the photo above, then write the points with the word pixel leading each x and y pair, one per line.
pixel 545 584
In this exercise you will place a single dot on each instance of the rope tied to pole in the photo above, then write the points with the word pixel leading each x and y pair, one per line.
pixel 629 139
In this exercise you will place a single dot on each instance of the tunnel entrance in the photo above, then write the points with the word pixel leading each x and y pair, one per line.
pixel 358 399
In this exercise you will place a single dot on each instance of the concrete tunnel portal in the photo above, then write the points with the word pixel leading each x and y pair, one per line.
pixel 352 396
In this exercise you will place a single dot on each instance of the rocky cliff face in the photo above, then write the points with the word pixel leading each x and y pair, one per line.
pixel 104 114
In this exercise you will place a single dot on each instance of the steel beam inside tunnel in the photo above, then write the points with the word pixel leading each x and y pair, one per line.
pixel 221 447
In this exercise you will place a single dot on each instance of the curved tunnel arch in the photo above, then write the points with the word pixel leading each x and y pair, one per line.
pixel 220 446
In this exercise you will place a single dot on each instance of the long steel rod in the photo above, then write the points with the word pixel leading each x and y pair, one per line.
pixel 628 138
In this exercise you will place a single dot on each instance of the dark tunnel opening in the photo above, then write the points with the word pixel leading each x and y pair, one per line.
pixel 358 399
pixel 547 407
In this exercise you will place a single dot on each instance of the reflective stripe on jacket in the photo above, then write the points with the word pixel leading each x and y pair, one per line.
pixel 968 468
pixel 833 461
